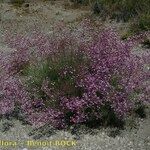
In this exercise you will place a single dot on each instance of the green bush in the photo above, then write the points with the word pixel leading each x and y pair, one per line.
pixel 141 23
pixel 118 9
pixel 125 9
pixel 53 71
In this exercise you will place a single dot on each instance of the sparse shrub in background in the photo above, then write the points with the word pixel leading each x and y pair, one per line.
pixel 17 3
pixel 125 10
pixel 141 23
pixel 136 12
pixel 121 10
pixel 73 77
pixel 79 1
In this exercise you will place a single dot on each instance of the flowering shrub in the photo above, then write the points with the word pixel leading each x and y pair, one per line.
pixel 73 76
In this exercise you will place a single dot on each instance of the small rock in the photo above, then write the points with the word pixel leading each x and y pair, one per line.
pixel 25 149
pixel 26 5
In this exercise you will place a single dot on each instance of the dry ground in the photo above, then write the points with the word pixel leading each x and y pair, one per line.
pixel 44 15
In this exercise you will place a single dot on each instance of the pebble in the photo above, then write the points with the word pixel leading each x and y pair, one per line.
pixel 25 149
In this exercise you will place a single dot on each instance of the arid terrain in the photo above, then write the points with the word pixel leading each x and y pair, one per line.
pixel 44 16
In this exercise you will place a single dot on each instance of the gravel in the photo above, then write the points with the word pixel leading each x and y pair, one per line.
pixel 87 139
pixel 45 15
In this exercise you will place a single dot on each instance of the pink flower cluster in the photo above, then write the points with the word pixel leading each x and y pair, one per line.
pixel 110 74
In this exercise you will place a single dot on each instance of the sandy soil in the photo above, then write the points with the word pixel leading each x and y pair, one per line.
pixel 44 15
